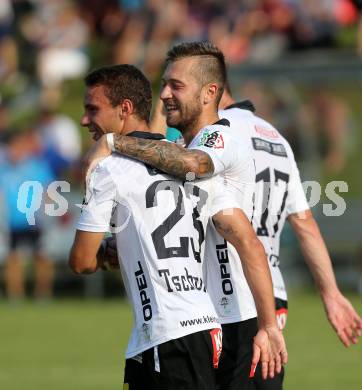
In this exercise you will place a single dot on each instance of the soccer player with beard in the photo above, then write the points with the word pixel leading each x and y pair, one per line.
pixel 193 83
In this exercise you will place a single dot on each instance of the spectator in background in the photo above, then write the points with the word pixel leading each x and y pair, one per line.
pixel 329 118
pixel 163 34
pixel 8 47
pixel 18 167
pixel 4 125
pixel 61 37
pixel 104 19
pixel 359 277
pixel 60 140
pixel 358 5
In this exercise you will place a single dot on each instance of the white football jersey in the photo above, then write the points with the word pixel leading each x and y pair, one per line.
pixel 279 191
pixel 159 224
pixel 233 161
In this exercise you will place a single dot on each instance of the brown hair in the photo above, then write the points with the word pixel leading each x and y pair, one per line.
pixel 211 66
pixel 124 82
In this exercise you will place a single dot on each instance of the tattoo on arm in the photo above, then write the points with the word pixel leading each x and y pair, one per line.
pixel 167 157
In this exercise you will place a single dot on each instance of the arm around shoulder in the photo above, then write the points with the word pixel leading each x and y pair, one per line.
pixel 168 157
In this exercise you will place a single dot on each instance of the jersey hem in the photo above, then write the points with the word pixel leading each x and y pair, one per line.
pixel 238 318
pixel 172 336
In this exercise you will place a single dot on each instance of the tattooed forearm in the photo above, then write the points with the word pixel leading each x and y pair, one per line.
pixel 167 157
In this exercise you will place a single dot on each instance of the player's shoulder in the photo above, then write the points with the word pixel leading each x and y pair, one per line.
pixel 263 134
pixel 222 125
pixel 217 135
pixel 269 140
pixel 213 135
pixel 117 162
pixel 235 114
pixel 114 165
pixel 242 121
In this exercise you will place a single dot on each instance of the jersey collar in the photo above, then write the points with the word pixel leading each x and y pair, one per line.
pixel 244 105
pixel 146 135
pixel 223 122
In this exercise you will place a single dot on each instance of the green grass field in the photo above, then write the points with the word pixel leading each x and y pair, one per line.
pixel 79 345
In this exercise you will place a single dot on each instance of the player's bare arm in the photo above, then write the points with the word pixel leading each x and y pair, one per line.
pixel 236 228
pixel 165 156
pixel 83 255
pixel 340 312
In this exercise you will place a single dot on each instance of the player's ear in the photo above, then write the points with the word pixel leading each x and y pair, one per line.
pixel 210 92
pixel 126 108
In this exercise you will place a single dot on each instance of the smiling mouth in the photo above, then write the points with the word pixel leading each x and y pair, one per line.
pixel 171 107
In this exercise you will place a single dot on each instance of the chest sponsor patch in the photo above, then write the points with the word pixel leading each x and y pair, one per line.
pixel 212 140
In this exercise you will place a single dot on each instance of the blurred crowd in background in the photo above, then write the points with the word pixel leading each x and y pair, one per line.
pixel 57 35
pixel 47 46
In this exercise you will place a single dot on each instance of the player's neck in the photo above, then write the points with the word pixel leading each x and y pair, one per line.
pixel 135 125
pixel 226 100
pixel 205 119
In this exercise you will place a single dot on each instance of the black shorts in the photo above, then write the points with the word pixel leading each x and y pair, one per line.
pixel 182 364
pixel 275 383
pixel 236 356
pixel 259 383
pixel 29 237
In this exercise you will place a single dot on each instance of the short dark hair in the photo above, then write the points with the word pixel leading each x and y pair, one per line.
pixel 211 67
pixel 122 82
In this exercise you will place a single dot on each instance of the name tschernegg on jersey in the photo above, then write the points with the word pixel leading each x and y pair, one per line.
pixel 185 282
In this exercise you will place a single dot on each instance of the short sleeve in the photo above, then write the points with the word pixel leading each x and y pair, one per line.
pixel 296 201
pixel 226 197
pixel 218 144
pixel 99 202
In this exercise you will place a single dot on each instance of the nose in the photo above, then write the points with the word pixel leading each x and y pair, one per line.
pixel 165 92
pixel 84 121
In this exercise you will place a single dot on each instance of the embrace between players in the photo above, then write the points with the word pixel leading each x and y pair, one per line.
pixel 196 228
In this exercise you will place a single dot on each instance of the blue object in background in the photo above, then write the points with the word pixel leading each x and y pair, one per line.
pixel 11 178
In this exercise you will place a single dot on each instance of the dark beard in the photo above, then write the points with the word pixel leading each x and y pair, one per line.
pixel 189 117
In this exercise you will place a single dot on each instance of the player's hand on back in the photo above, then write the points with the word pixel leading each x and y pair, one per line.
pixel 107 256
pixel 343 318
